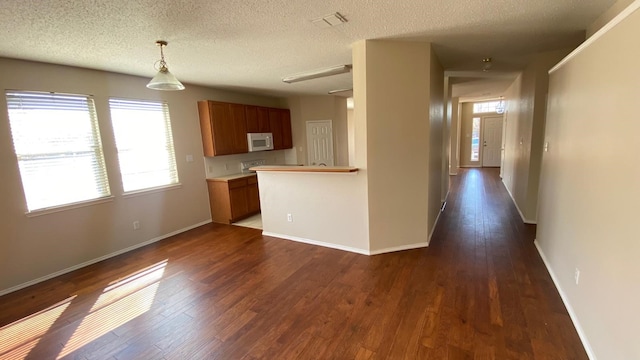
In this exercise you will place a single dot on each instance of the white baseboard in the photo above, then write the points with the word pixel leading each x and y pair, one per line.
pixel 524 219
pixel 567 304
pixel 347 248
pixel 435 224
pixel 93 261
pixel 399 248
pixel 318 243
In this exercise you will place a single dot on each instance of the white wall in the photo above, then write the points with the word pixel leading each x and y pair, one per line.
pixel 590 189
pixel 525 121
pixel 393 97
pixel 455 136
pixel 607 16
pixel 327 209
pixel 393 201
pixel 35 247
pixel 321 107
pixel 466 128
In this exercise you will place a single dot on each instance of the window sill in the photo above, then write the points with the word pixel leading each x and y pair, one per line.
pixel 71 206
pixel 147 191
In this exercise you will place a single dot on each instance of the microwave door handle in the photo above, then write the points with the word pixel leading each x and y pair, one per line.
pixel 268 141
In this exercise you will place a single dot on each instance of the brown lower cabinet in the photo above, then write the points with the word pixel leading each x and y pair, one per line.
pixel 234 199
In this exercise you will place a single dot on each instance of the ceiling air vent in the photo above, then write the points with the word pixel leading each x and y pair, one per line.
pixel 330 20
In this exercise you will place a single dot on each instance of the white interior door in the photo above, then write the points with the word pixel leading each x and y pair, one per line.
pixel 492 141
pixel 320 143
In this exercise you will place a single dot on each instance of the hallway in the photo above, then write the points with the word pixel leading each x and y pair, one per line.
pixel 480 291
pixel 504 303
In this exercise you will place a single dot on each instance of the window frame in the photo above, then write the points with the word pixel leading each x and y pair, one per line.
pixel 88 143
pixel 172 159
pixel 486 107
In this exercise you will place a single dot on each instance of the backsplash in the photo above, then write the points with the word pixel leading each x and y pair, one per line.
pixel 231 164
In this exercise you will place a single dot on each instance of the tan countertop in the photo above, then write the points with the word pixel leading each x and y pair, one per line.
pixel 232 176
pixel 307 169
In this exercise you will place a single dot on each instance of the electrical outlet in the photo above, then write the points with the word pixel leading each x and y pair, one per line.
pixel 576 275
pixel 136 225
pixel 226 166
pixel 189 158
pixel 289 218
pixel 546 146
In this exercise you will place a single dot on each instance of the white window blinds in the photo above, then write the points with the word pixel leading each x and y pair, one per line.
pixel 57 143
pixel 145 145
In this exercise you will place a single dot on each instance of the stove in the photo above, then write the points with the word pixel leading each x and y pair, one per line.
pixel 246 165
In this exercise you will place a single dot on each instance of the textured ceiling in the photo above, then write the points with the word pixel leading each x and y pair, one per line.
pixel 249 45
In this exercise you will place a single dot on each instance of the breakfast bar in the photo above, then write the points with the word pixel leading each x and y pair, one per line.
pixel 320 205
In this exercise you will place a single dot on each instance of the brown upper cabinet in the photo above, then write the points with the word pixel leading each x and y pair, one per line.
pixel 257 119
pixel 223 127
pixel 280 123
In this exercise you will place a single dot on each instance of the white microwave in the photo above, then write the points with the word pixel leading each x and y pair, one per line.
pixel 260 141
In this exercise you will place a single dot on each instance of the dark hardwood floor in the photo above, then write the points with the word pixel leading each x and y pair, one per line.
pixel 480 291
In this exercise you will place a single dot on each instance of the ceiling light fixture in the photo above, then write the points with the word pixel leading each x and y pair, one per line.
pixel 164 80
pixel 331 92
pixel 341 69
pixel 500 107
pixel 487 64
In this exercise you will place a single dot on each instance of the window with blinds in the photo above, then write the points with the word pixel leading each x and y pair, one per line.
pixel 145 144
pixel 57 143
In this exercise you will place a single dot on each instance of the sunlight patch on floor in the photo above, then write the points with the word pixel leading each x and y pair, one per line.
pixel 19 338
pixel 120 303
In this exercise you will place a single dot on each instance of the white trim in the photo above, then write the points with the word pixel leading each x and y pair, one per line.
pixel 105 257
pixel 435 225
pixel 347 248
pixel 567 304
pixel 400 248
pixel 603 30
pixel 318 243
pixel 524 219
pixel 470 166
pixel 71 206
pixel 151 190
pixel 358 250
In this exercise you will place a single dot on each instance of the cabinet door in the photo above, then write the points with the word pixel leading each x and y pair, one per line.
pixel 239 124
pixel 257 119
pixel 287 139
pixel 238 200
pixel 223 127
pixel 253 198
pixel 275 121
pixel 206 127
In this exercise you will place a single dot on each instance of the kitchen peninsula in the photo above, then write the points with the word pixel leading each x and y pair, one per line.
pixel 318 205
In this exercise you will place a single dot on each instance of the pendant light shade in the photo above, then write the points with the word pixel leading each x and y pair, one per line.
pixel 164 80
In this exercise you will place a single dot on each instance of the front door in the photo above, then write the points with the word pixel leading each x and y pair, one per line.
pixel 320 143
pixel 492 141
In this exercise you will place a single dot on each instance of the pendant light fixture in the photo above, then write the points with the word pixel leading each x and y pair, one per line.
pixel 164 80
